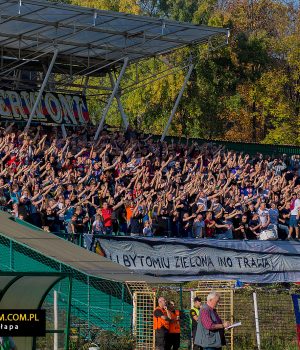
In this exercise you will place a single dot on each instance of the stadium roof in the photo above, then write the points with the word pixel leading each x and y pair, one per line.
pixel 68 253
pixel 87 39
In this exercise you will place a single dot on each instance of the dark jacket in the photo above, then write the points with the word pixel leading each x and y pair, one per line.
pixel 207 338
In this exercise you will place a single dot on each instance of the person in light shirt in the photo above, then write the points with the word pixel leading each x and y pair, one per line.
pixel 264 216
pixel 294 218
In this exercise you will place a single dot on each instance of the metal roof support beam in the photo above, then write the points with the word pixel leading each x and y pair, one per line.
pixel 37 101
pixel 160 74
pixel 112 96
pixel 86 84
pixel 24 61
pixel 187 77
pixel 124 116
pixel 121 109
pixel 63 130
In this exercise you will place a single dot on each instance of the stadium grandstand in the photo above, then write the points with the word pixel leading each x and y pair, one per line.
pixel 78 200
pixel 132 184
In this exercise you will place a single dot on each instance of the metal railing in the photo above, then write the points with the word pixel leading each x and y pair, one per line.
pixel 239 146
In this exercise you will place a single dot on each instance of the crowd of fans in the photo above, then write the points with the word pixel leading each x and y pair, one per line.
pixel 130 184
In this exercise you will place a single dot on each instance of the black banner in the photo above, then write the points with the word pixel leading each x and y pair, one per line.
pixel 26 323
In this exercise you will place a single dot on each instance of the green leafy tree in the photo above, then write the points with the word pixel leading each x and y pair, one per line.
pixel 248 90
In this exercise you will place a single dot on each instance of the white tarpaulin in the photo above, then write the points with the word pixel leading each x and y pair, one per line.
pixel 181 259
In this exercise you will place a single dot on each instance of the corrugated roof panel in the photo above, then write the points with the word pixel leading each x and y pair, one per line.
pixel 68 253
pixel 43 26
pixel 14 27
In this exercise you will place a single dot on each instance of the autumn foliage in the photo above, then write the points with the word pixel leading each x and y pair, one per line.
pixel 248 90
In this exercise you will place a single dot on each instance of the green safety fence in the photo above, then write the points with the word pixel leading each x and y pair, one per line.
pixel 96 302
pixel 245 147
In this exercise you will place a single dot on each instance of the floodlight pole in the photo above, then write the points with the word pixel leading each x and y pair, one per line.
pixel 121 109
pixel 116 87
pixel 187 77
pixel 39 96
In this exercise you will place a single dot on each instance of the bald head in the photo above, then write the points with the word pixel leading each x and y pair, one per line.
pixel 162 302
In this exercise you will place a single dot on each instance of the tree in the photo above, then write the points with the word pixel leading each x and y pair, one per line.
pixel 248 90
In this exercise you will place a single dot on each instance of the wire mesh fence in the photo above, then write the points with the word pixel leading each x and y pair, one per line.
pixel 277 326
pixel 276 318
pixel 102 310
pixel 144 304
pixel 225 305
pixel 275 315
pixel 98 306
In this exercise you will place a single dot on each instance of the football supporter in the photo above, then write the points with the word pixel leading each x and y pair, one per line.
pixel 124 183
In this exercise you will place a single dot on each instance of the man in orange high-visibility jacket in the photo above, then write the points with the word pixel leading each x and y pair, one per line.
pixel 173 337
pixel 161 324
